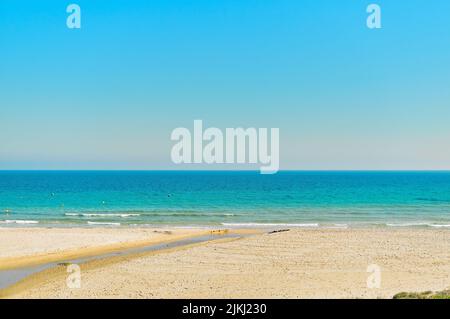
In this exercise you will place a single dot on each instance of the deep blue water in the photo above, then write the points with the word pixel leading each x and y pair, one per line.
pixel 215 198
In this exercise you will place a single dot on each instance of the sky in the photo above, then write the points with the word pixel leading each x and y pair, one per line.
pixel 108 95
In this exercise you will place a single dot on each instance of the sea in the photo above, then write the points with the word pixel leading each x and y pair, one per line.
pixel 336 199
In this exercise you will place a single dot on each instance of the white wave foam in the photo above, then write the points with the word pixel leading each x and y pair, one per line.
pixel 104 224
pixel 101 215
pixel 269 225
pixel 406 224
pixel 412 224
pixel 339 226
pixel 440 226
pixel 19 222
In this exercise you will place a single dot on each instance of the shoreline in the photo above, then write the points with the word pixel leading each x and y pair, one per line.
pixel 406 224
pixel 311 253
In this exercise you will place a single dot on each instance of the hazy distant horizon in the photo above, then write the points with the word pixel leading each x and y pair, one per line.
pixel 229 170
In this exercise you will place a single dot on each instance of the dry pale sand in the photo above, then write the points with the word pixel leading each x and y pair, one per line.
pixel 301 263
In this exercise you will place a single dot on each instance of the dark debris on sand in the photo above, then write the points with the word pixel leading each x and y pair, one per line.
pixel 278 231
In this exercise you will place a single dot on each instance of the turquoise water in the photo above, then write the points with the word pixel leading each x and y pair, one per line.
pixel 308 199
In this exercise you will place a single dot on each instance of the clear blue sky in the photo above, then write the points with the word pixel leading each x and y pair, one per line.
pixel 108 96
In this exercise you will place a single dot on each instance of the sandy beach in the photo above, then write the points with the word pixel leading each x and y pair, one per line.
pixel 30 246
pixel 299 263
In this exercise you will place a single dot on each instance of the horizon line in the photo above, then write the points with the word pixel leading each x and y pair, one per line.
pixel 223 170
